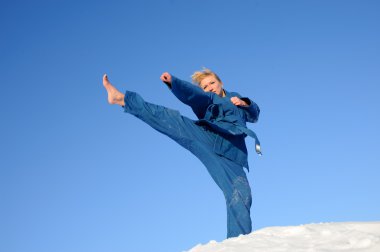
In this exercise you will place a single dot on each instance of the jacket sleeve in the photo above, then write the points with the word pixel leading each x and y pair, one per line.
pixel 252 112
pixel 191 95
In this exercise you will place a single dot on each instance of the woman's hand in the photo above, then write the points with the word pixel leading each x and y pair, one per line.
pixel 238 102
pixel 166 78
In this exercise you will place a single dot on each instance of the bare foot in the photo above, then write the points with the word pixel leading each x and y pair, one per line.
pixel 114 95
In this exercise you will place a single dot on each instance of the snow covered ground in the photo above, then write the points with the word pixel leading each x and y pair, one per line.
pixel 324 237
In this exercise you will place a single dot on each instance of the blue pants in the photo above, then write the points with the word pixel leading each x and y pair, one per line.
pixel 229 176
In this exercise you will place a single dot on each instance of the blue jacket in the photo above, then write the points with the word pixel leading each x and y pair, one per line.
pixel 222 116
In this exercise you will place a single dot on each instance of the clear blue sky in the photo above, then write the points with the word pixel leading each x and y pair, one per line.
pixel 79 175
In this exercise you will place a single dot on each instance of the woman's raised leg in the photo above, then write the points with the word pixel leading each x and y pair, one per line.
pixel 165 120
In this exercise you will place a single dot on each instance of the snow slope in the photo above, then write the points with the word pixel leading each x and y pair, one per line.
pixel 324 237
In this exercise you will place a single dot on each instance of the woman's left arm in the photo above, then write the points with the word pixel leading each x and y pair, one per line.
pixel 250 108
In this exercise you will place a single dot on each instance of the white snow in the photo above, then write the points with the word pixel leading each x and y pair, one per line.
pixel 323 237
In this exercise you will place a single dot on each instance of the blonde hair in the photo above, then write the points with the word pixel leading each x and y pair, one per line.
pixel 198 76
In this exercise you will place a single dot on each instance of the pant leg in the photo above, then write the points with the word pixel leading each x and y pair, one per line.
pixel 239 204
pixel 232 180
pixel 167 121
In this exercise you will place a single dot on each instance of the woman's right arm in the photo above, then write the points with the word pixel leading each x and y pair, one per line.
pixel 188 93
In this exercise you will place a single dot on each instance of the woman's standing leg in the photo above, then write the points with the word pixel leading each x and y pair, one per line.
pixel 232 180
pixel 238 202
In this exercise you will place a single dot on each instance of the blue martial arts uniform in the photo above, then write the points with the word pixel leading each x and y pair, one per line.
pixel 217 139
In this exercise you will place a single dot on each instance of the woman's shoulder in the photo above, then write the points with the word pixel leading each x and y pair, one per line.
pixel 231 94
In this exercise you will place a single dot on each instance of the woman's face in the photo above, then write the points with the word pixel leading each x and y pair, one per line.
pixel 211 84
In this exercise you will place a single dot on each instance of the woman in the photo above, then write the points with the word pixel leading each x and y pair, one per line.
pixel 217 138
